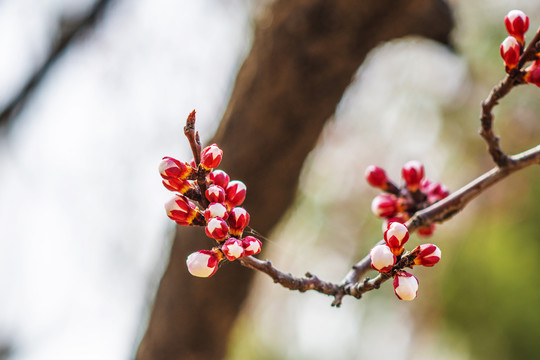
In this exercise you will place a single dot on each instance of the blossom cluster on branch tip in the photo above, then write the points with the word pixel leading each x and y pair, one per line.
pixel 399 204
pixel 207 197
pixel 386 258
pixel 513 46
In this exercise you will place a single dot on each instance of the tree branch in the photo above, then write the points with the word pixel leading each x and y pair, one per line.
pixel 514 78
pixel 438 212
pixel 68 33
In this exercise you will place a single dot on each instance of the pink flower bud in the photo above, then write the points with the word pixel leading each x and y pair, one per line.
pixel 510 50
pixel 211 157
pixel 384 205
pixel 382 258
pixel 412 172
pixel 215 193
pixel 426 230
pixel 395 236
pixel 428 255
pixel 170 168
pixel 233 249
pixel 376 176
pixel 405 286
pixel 238 220
pixel 216 210
pixel 217 229
pixel 251 245
pixel 517 23
pixel 433 190
pixel 219 178
pixel 532 76
pixel 203 263
pixel 181 210
pixel 235 193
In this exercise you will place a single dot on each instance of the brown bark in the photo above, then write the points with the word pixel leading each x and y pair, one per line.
pixel 304 55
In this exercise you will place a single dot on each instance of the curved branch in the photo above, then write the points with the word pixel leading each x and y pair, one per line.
pixel 438 212
pixel 68 34
pixel 514 78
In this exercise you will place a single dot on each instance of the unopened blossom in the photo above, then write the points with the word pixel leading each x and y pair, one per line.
pixel 203 263
pixel 405 286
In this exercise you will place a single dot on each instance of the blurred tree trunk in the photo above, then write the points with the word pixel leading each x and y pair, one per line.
pixel 304 55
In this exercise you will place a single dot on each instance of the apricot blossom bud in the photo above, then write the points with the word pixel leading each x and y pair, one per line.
pixel 532 76
pixel 510 50
pixel 382 258
pixel 181 210
pixel 211 157
pixel 376 176
pixel 426 230
pixel 179 185
pixel 433 190
pixel 412 172
pixel 215 193
pixel 405 286
pixel 384 205
pixel 203 263
pixel 428 255
pixel 251 245
pixel 235 193
pixel 219 178
pixel 395 236
pixel 238 220
pixel 216 210
pixel 517 23
pixel 233 249
pixel 217 229
pixel 170 168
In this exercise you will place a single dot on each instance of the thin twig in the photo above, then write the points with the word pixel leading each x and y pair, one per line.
pixel 438 212
pixel 195 143
pixel 514 78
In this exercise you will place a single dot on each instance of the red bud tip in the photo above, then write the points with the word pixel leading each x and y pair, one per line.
pixel 405 286
pixel 382 258
pixel 216 210
pixel 251 245
pixel 510 50
pixel 172 169
pixel 384 205
pixel 517 23
pixel 215 193
pixel 219 178
pixel 203 263
pixel 426 230
pixel 412 172
pixel 238 220
pixel 217 229
pixel 376 176
pixel 395 236
pixel 233 249
pixel 181 210
pixel 532 76
pixel 235 193
pixel 211 157
pixel 428 255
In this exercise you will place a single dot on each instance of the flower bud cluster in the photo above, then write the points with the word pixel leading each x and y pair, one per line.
pixel 399 204
pixel 389 258
pixel 207 197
